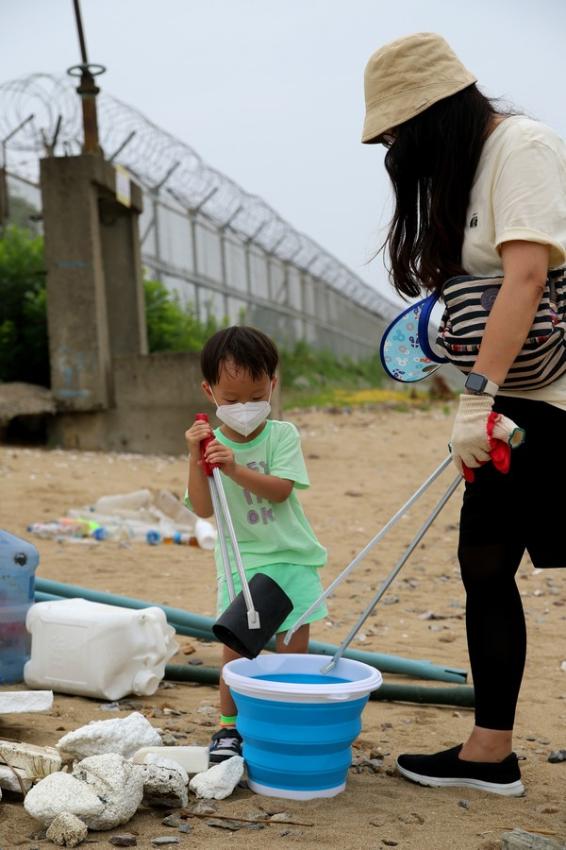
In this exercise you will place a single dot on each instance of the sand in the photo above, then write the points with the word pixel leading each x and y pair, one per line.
pixel 363 465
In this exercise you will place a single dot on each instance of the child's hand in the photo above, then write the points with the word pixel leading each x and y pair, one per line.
pixel 218 453
pixel 198 432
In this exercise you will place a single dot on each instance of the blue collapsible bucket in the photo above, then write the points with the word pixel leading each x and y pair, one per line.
pixel 298 724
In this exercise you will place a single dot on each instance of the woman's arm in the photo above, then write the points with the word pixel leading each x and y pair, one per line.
pixel 525 269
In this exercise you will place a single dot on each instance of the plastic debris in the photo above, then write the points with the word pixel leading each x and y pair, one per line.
pixel 123 736
pixel 219 781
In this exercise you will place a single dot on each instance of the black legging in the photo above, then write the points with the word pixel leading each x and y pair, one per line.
pixel 502 516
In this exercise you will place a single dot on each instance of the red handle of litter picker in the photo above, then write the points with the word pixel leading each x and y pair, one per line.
pixel 207 467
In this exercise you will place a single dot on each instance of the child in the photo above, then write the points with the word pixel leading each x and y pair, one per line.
pixel 262 465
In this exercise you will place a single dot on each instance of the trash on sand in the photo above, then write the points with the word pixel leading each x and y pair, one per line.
pixel 18 702
pixel 67 830
pixel 115 781
pixel 59 793
pixel 102 650
pixel 15 780
pixel 219 781
pixel 192 759
pixel 118 735
pixel 35 762
pixel 164 786
pixel 140 516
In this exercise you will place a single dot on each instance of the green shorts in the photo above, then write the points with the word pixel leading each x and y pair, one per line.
pixel 301 584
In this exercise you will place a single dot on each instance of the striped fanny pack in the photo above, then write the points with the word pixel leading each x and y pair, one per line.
pixel 468 301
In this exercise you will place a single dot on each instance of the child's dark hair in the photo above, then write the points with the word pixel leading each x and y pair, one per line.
pixel 247 347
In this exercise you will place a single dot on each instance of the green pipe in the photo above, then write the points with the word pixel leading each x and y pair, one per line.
pixel 196 625
pixel 461 696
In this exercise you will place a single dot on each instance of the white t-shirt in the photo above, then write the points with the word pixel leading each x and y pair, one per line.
pixel 519 192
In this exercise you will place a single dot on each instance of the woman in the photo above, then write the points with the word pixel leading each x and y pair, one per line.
pixel 480 192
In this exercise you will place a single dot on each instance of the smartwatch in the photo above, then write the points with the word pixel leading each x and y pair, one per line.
pixel 477 384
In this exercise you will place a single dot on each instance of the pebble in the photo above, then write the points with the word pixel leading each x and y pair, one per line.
pixel 389 842
pixel 195 662
pixel 464 804
pixel 390 600
pixel 549 810
pixel 557 756
pixel 126 839
pixel 163 841
pixel 204 809
pixel 172 820
pixel 185 827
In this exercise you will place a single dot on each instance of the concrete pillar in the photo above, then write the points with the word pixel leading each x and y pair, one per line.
pixel 95 305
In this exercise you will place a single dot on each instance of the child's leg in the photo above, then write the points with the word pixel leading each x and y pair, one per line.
pixel 299 641
pixel 226 741
pixel 227 705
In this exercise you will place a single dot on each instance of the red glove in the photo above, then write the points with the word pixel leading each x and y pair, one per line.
pixel 499 450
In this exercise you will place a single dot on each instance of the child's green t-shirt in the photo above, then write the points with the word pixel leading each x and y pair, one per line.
pixel 270 532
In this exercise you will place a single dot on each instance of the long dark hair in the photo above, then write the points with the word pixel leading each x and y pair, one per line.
pixel 431 163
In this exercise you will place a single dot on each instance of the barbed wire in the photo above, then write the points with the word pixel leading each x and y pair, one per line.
pixel 163 163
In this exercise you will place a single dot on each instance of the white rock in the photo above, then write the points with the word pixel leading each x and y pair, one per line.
pixel 123 736
pixel 164 786
pixel 67 831
pixel 59 793
pixel 16 702
pixel 219 781
pixel 37 762
pixel 117 782
pixel 10 782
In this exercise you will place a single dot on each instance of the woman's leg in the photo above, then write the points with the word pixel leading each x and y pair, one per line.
pixel 496 634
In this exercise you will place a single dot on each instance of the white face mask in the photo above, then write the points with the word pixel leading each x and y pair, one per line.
pixel 244 418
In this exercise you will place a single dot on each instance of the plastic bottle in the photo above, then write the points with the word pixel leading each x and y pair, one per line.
pixel 205 534
pixel 124 502
pixel 96 650
pixel 18 562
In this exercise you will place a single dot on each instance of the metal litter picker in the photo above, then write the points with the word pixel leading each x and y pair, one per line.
pixel 245 626
pixel 394 572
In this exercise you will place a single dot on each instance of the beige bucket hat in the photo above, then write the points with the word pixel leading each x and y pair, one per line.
pixel 405 77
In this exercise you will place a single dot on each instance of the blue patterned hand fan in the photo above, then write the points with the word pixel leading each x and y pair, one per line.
pixel 405 350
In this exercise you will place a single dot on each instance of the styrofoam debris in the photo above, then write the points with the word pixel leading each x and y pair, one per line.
pixel 168 764
pixel 117 782
pixel 192 759
pixel 67 830
pixel 164 786
pixel 10 782
pixel 59 793
pixel 123 736
pixel 219 781
pixel 16 702
pixel 37 762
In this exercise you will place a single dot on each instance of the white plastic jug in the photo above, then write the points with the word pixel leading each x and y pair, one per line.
pixel 96 650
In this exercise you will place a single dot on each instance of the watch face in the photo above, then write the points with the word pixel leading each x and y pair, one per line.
pixel 475 383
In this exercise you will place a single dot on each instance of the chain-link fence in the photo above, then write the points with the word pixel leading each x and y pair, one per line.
pixel 223 251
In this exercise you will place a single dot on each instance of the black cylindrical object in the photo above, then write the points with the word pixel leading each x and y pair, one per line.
pixel 273 606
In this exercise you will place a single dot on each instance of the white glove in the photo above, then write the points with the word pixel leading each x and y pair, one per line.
pixel 469 443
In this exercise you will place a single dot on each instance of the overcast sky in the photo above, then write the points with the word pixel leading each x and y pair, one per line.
pixel 271 91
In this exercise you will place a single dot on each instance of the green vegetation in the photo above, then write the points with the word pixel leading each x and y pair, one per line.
pixel 24 354
pixel 310 377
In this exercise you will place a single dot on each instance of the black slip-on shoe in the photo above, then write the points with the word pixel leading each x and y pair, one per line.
pixel 224 744
pixel 446 770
